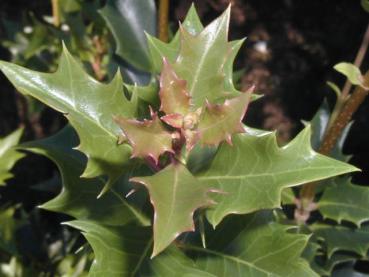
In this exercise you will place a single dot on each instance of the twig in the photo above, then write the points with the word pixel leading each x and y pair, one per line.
pixel 358 60
pixel 330 139
pixel 56 12
pixel 345 107
pixel 163 20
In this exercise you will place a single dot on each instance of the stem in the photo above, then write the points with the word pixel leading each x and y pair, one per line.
pixel 56 12
pixel 345 107
pixel 358 60
pixel 163 20
pixel 307 192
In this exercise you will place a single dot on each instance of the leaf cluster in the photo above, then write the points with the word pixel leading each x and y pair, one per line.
pixel 162 177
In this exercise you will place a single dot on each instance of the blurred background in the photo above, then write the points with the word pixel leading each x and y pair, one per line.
pixel 289 55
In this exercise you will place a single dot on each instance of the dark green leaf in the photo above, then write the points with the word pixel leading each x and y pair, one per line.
pixel 124 251
pixel 78 196
pixel 342 200
pixel 128 19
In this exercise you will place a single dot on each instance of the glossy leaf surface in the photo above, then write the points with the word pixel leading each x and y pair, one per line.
pixel 124 251
pixel 9 155
pixel 159 49
pixel 253 172
pixel 251 246
pixel 88 105
pixel 201 60
pixel 218 122
pixel 148 138
pixel 175 194
pixel 127 23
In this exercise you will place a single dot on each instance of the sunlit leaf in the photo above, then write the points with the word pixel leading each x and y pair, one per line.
pixel 175 194
pixel 253 172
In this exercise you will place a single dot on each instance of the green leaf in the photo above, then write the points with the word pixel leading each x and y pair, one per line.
pixel 336 259
pixel 352 73
pixel 78 196
pixel 228 67
pixel 340 238
pixel 148 138
pixel 218 122
pixel 254 171
pixel 88 105
pixel 123 251
pixel 148 93
pixel 8 154
pixel 159 49
pixel 288 197
pixel 342 200
pixel 175 194
pixel 128 19
pixel 254 245
pixel 201 61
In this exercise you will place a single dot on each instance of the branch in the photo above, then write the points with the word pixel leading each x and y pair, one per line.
pixel 163 20
pixel 334 132
pixel 56 12
pixel 345 107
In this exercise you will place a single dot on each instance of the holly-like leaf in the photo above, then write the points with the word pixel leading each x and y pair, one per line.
pixel 124 251
pixel 253 245
pixel 9 155
pixel 253 172
pixel 148 93
pixel 175 194
pixel 342 200
pixel 218 122
pixel 148 138
pixel 173 95
pixel 78 196
pixel 128 28
pixel 88 105
pixel 228 68
pixel 159 49
pixel 340 238
pixel 201 60
pixel 336 259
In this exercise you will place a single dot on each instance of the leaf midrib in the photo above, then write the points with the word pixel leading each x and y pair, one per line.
pixel 235 177
pixel 222 255
pixel 201 62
